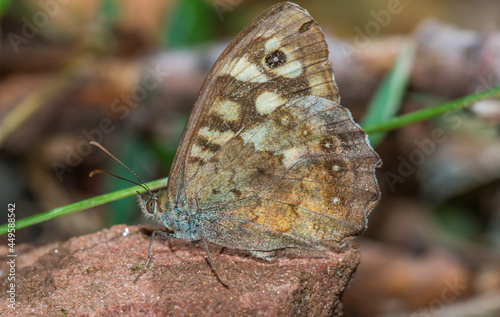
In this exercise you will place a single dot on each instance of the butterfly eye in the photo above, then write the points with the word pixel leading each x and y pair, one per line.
pixel 151 206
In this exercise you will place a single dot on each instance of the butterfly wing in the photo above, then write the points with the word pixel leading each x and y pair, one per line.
pixel 280 56
pixel 269 159
pixel 303 175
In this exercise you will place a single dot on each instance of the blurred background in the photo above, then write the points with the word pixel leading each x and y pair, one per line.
pixel 127 73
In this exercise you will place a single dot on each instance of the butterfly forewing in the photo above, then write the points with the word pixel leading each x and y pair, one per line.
pixel 280 56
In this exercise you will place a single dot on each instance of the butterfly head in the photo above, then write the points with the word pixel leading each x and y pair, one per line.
pixel 177 222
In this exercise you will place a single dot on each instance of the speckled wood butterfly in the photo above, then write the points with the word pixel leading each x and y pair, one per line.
pixel 269 158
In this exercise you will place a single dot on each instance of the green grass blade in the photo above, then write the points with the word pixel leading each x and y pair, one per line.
pixel 82 205
pixel 424 114
pixel 388 98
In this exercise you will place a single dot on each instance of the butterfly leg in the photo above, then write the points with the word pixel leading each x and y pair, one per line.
pixel 150 251
pixel 212 266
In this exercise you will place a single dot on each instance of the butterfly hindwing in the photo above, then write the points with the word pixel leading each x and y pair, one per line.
pixel 302 175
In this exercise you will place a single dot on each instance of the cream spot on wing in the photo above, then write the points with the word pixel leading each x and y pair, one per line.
pixel 272 44
pixel 216 137
pixel 335 200
pixel 228 110
pixel 291 156
pixel 245 70
pixel 198 151
pixel 291 69
pixel 267 102
pixel 316 79
pixel 257 136
pixel 335 168
pixel 318 84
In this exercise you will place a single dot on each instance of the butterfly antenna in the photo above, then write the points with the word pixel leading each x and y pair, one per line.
pixel 94 172
pixel 143 184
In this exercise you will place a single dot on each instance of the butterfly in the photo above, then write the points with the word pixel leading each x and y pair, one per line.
pixel 269 159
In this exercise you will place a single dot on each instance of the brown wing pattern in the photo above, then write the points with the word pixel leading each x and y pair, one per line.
pixel 280 56
pixel 303 175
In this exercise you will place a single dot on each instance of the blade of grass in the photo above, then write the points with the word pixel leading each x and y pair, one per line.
pixel 388 98
pixel 424 114
pixel 84 204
